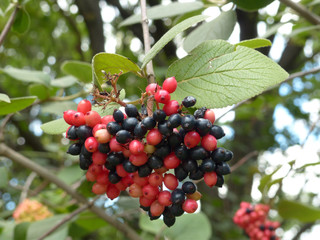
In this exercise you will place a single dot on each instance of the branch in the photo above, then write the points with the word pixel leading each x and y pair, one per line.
pixel 302 230
pixel 26 186
pixel 41 171
pixel 302 11
pixel 9 24
pixel 244 160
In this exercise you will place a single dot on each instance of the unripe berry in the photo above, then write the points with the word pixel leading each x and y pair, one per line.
pixel 162 96
pixel 155 179
pixel 99 158
pixel 164 198
pixel 136 147
pixel 135 190
pixel 115 146
pixel 139 159
pixel 90 176
pixel 142 181
pixel 95 169
pixel 68 116
pixel 152 88
pixel 145 202
pixel 149 148
pixel 190 206
pixel 154 137
pixel 79 119
pixel 209 142
pixel 195 196
pixel 170 181
pixel 102 178
pixel 92 118
pixel 210 178
pixel 84 106
pixel 99 189
pixel 170 84
pixel 171 107
pixel 112 191
pixel 156 208
pixel 192 139
pixel 107 119
pixel 150 192
pixel 209 114
pixel 91 144
pixel 121 171
pixel 171 161
pixel 102 136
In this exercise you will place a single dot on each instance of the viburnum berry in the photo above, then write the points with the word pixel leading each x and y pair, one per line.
pixel 91 144
pixel 79 119
pixel 99 189
pixel 136 147
pixel 90 176
pixel 135 190
pixel 170 181
pixel 71 133
pixel 112 191
pixel 210 178
pixel 210 115
pixel 170 84
pixel 150 191
pixel 209 142
pixel 142 181
pixel 145 202
pixel 102 136
pixel 189 101
pixel 192 139
pixel 164 198
pixel 171 107
pixel 84 106
pixel 68 116
pixel 154 137
pixel 99 158
pixel 156 208
pixel 92 118
pixel 190 206
pixel 155 179
pixel 152 88
pixel 162 96
pixel 106 119
pixel 171 161
pixel 115 146
pixel 139 159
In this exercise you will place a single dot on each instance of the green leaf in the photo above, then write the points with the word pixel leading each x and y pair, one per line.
pixel 296 210
pixel 7 229
pixel 85 189
pixel 4 4
pixel 39 90
pixel 58 107
pixel 20 231
pixel 303 29
pixel 70 174
pixel 55 127
pixel 190 227
pixel 266 179
pixel 80 70
pixel 4 98
pixel 251 5
pixel 150 226
pixel 90 221
pixel 38 228
pixel 3 177
pixel 64 82
pixel 219 28
pixel 27 75
pixel 168 36
pixel 219 75
pixel 164 11
pixel 112 63
pixel 255 43
pixel 16 104
pixel 22 21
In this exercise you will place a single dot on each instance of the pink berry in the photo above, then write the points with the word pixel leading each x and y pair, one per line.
pixel 171 161
pixel 156 209
pixel 170 84
pixel 98 127
pixel 162 96
pixel 99 158
pixel 68 116
pixel 171 107
pixel 115 146
pixel 209 142
pixel 192 139
pixel 84 106
pixel 210 178
pixel 135 190
pixel 139 159
pixel 136 147
pixel 164 198
pixel 91 144
pixel 106 119
pixel 190 206
pixel 209 114
pixel 150 192
pixel 79 119
pixel 92 118
pixel 152 88
pixel 155 179
pixel 103 136
pixel 170 181
pixel 145 201
pixel 99 189
pixel 154 137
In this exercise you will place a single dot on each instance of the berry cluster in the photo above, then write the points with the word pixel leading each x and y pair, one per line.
pixel 253 219
pixel 133 151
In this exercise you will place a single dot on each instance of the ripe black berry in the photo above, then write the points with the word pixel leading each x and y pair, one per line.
pixel 144 170
pixel 203 126
pixel 85 152
pixel 175 140
pixel 176 209
pixel 118 116
pixel 83 132
pixel 110 166
pixel 198 153
pixel 219 155
pixel 207 165
pixel 189 165
pixel 188 122
pixel 84 162
pixel 217 132
pixel 196 175
pixel 189 101
pixel 162 151
pixel 180 173
pixel 148 123
pixel 129 124
pixel 123 136
pixel 104 148
pixel 113 128
pixel 199 113
pixel 177 196
pixel 139 131
pixel 174 121
pixel 129 167
pixel 181 152
pixel 72 133
pixel 222 169
pixel 220 181
pixel 114 177
pixel 164 129
pixel 74 149
pixel 228 156
pixel 115 158
pixel 159 115
pixel 131 110
pixel 155 162
pixel 189 187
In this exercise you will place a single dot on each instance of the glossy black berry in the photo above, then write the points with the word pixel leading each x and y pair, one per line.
pixel 162 151
pixel 182 132
pixel 176 209
pixel 189 101
pixel 85 152
pixel 148 123
pixel 182 152
pixel 155 162
pixel 219 155
pixel 115 158
pixel 217 131
pixel 153 217
pixel 207 165
pixel 220 181
pixel 104 148
pixel 110 166
pixel 189 165
pixel 199 113
pixel 145 208
pixel 174 121
pixel 114 177
pixel 168 218
pixel 123 136
pixel 177 196
pixel 189 187
pixel 74 149
pixel 175 140
pixel 113 128
pixel 188 122
pixel 118 116
pixel 131 110
pixel 139 131
pixel 143 110
pixel 228 156
pixel 144 170
pixel 223 168
pixel 198 153
pixel 180 173
pixel 72 133
pixel 129 124
pixel 129 167
pixel 159 115
pixel 84 162
pixel 196 175
pixel 203 126
pixel 83 132
pixel 164 129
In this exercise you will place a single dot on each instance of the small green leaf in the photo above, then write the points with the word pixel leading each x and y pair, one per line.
pixel 219 75
pixel 80 70
pixel 70 174
pixel 190 227
pixel 219 28
pixel 64 82
pixel 296 210
pixel 150 226
pixel 7 229
pixel 85 189
pixel 251 5
pixel 39 90
pixel 22 21
pixel 90 221
pixel 20 231
pixel 266 179
pixel 58 107
pixel 3 177
pixel 16 104
pixel 113 64
pixel 4 98
pixel 168 36
pixel 27 75
pixel 164 11
pixel 55 127
pixel 255 43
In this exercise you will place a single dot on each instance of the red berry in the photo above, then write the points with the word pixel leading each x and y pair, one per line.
pixel 79 119
pixel 91 144
pixel 190 206
pixel 209 142
pixel 136 147
pixel 150 192
pixel 142 181
pixel 115 146
pixel 95 169
pixel 155 179
pixel 98 127
pixel 145 202
pixel 170 181
pixel 102 178
pixel 84 106
pixel 135 190
pixel 121 186
pixel 120 171
pixel 152 88
pixel 170 84
pixel 161 170
pixel 209 114
pixel 210 178
pixel 164 198
pixel 90 176
pixel 112 191
pixel 156 209
pixel 106 119
pixel 162 96
pixel 139 160
pixel 171 107
pixel 171 161
pixel 98 188
pixel 68 116
pixel 99 158
pixel 192 139
pixel 127 180
pixel 154 137
pixel 92 118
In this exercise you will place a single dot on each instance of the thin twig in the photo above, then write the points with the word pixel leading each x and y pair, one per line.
pixel 68 218
pixel 26 187
pixel 244 160
pixel 302 11
pixel 312 127
pixel 8 25
pixel 302 230
pixel 3 124
pixel 41 171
